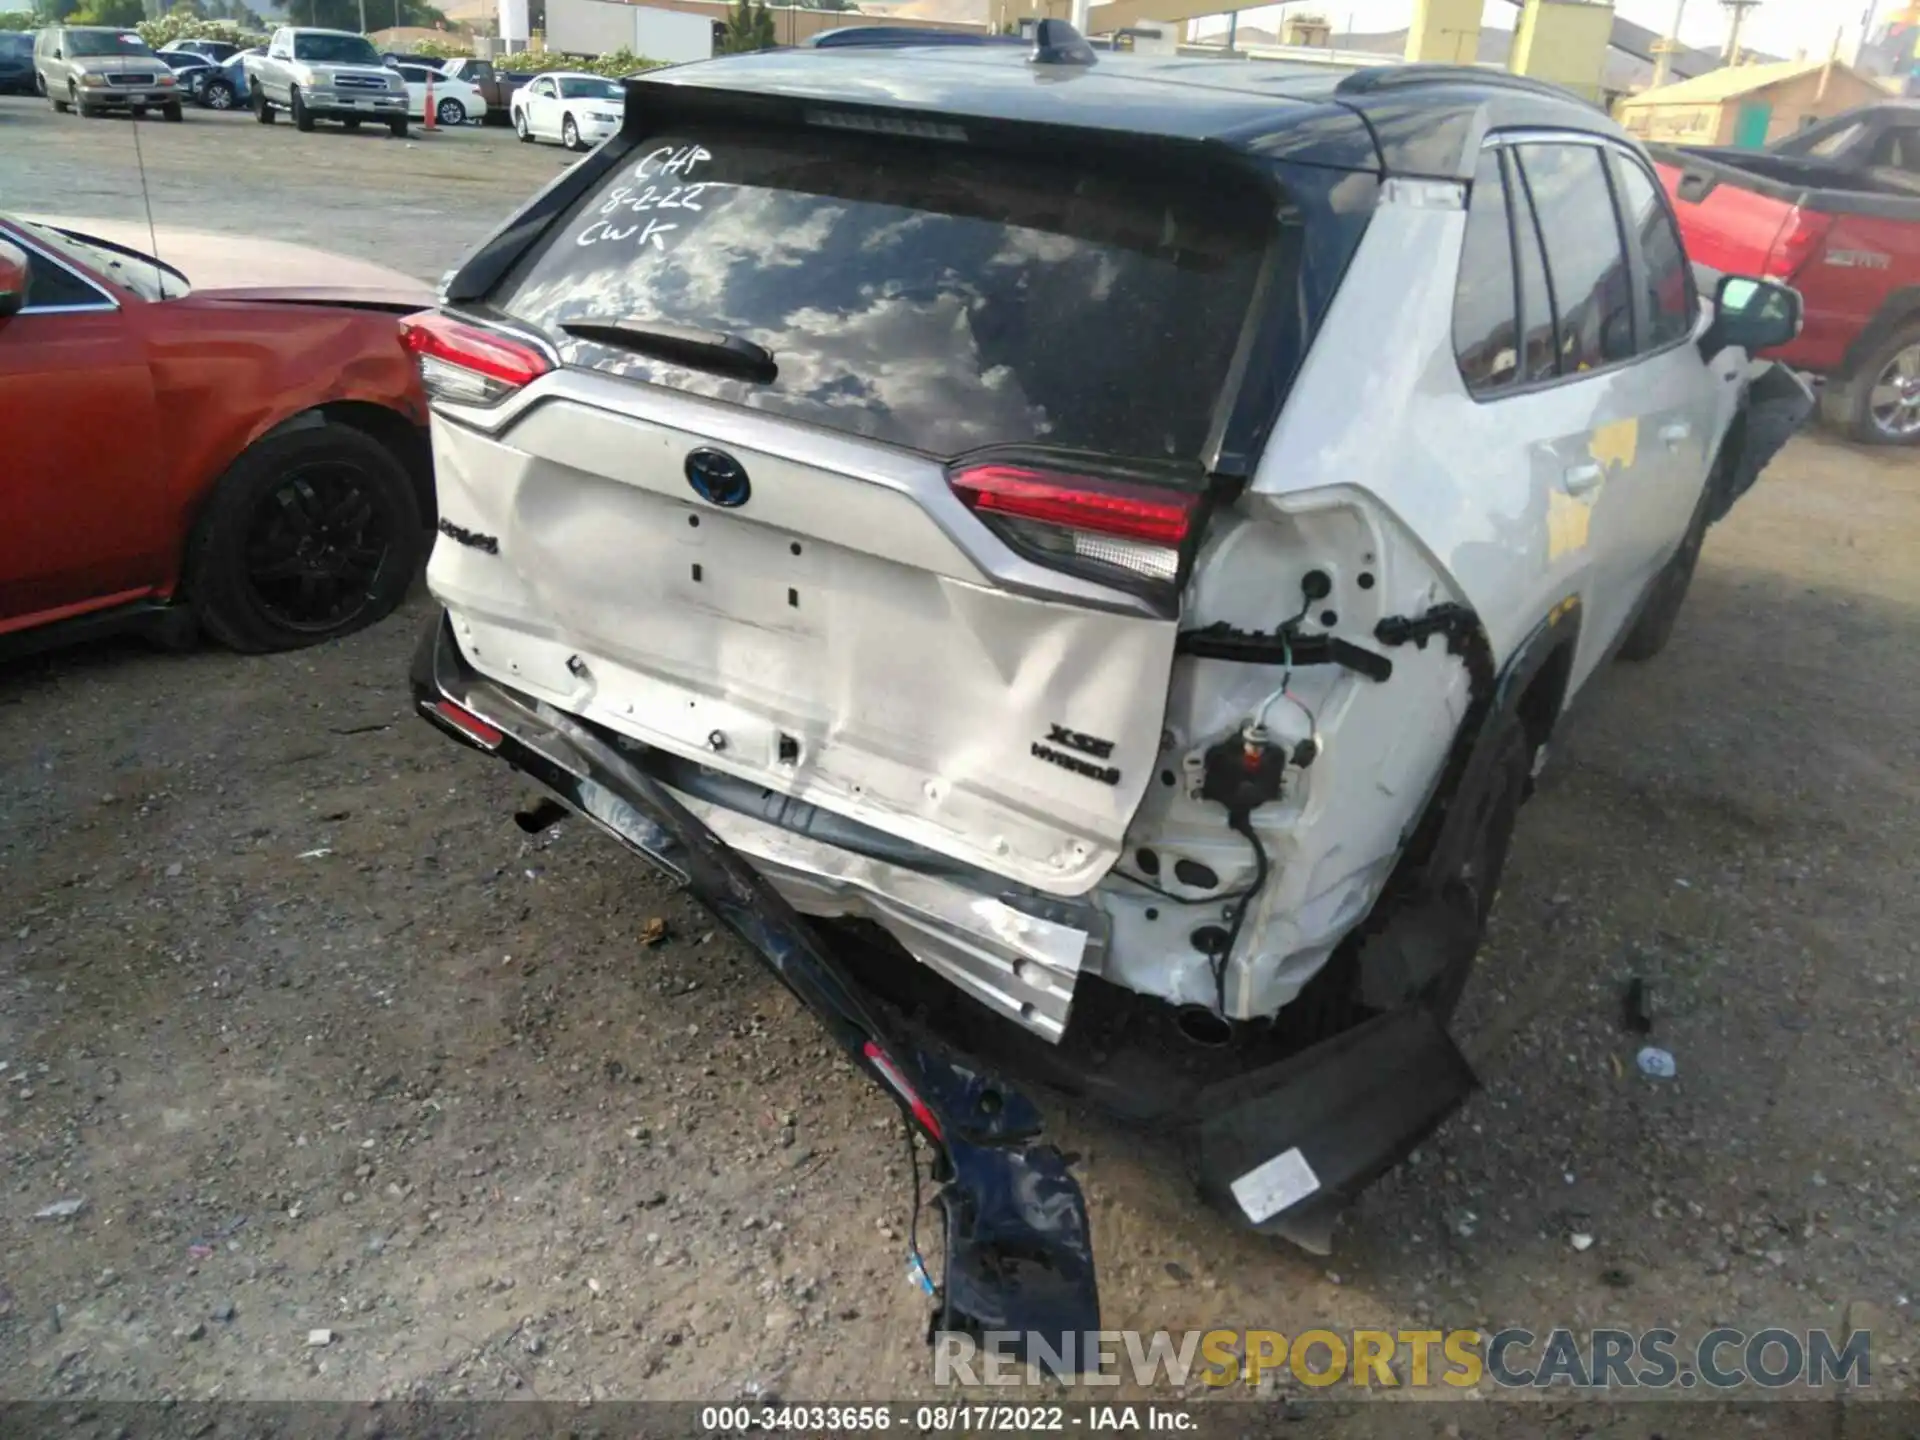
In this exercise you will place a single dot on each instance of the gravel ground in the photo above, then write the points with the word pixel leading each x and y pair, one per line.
pixel 323 1041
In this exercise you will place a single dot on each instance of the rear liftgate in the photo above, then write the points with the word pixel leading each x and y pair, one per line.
pixel 1018 1255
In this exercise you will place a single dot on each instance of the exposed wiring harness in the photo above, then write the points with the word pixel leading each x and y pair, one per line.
pixel 918 1265
pixel 1243 822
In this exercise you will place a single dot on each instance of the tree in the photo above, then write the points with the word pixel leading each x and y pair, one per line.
pixel 749 27
pixel 123 14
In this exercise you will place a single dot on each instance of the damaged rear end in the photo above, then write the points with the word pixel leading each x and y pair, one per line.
pixel 823 491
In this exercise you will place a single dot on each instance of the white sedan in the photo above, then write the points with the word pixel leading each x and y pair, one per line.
pixel 455 102
pixel 576 109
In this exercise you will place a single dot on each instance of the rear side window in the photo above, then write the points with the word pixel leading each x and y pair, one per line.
pixel 1670 297
pixel 925 294
pixel 1586 260
pixel 1486 323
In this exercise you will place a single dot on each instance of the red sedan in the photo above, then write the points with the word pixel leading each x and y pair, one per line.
pixel 243 451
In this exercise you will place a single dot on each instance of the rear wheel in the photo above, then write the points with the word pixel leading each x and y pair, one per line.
pixel 309 536
pixel 1881 405
pixel 1661 611
pixel 450 112
pixel 217 95
pixel 302 117
pixel 1469 868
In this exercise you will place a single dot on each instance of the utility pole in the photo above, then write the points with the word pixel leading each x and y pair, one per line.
pixel 1866 31
pixel 1739 9
pixel 1668 48
pixel 363 17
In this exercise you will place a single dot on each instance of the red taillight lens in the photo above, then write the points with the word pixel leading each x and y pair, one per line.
pixel 1138 529
pixel 1798 241
pixel 469 724
pixel 468 365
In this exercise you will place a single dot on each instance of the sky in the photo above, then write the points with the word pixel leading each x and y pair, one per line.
pixel 1781 27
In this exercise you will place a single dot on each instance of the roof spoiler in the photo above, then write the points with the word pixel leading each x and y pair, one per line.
pixel 1049 42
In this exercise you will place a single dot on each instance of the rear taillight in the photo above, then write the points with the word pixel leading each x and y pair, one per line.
pixel 1117 525
pixel 1797 243
pixel 466 364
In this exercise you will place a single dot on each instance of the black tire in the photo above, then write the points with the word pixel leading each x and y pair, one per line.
pixel 398 128
pixel 351 123
pixel 217 95
pixel 309 536
pixel 450 113
pixel 39 83
pixel 139 112
pixel 1864 406
pixel 1471 855
pixel 262 111
pixel 302 117
pixel 1653 627
pixel 172 113
pixel 570 134
pixel 520 127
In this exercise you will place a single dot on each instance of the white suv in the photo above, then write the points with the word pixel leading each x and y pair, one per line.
pixel 1123 542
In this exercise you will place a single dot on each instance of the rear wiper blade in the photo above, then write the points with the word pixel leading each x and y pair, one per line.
pixel 714 350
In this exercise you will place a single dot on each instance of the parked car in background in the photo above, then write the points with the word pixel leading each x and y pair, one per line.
pixel 190 72
pixel 1118 576
pixel 229 437
pixel 495 85
pixel 217 52
pixel 577 109
pixel 1834 211
pixel 96 68
pixel 455 102
pixel 227 90
pixel 325 75
pixel 16 62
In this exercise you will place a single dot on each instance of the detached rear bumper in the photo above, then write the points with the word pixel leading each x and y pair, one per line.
pixel 1019 1258
pixel 1282 1148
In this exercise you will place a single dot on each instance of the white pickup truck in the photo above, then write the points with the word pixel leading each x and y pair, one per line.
pixel 325 75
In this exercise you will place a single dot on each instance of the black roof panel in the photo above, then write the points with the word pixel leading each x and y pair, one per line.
pixel 1400 120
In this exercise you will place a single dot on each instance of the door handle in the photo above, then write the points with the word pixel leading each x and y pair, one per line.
pixel 1675 434
pixel 1581 479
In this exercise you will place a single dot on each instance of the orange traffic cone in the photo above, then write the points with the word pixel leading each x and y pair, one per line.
pixel 431 124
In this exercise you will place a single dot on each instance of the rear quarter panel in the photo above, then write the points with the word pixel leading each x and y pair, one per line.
pixel 226 373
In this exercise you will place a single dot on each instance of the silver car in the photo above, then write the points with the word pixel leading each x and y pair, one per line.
pixel 91 68
pixel 1107 538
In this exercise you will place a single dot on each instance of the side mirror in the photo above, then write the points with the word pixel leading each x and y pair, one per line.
pixel 1754 314
pixel 15 275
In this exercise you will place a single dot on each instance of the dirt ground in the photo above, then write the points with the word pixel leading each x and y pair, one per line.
pixel 323 1040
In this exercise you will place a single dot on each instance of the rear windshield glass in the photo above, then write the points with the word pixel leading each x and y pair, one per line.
pixel 925 294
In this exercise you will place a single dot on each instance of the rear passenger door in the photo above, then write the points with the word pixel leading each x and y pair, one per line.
pixel 1544 331
pixel 1682 430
